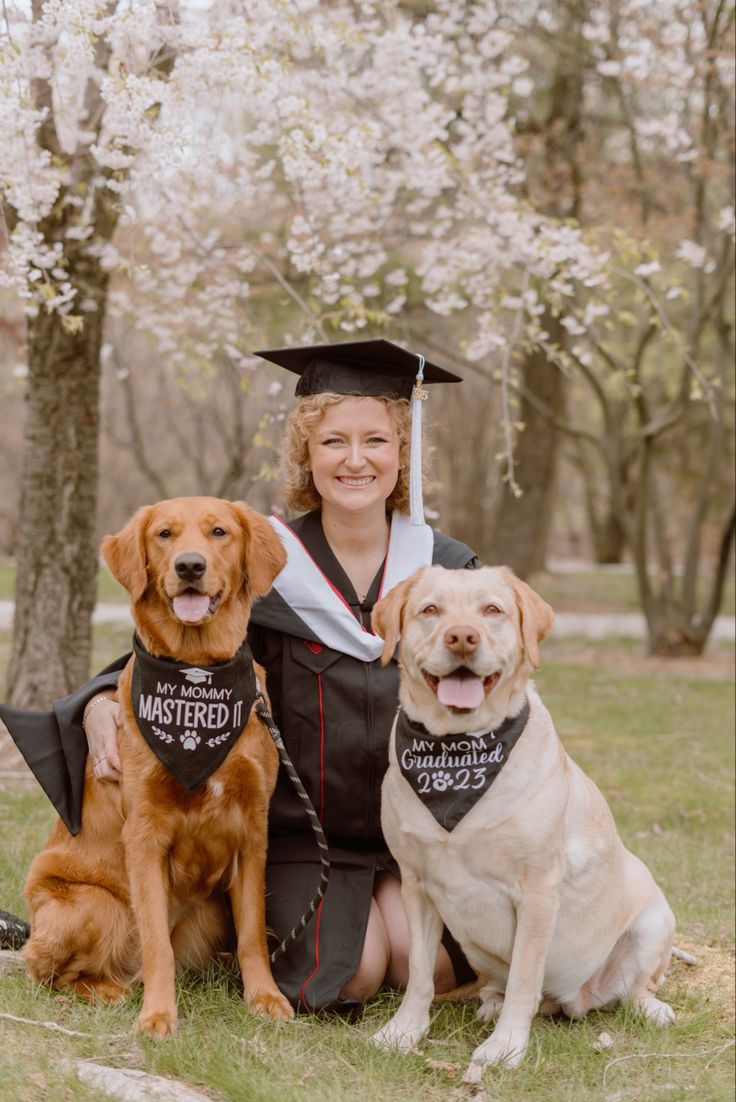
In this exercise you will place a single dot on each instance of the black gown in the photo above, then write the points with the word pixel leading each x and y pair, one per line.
pixel 335 714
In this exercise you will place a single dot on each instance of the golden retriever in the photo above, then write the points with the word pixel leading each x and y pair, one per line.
pixel 528 873
pixel 142 888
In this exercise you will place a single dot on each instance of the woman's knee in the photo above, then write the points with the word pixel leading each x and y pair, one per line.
pixel 374 960
pixel 388 899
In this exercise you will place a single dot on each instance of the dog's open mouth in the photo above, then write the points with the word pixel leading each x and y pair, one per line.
pixel 462 690
pixel 191 606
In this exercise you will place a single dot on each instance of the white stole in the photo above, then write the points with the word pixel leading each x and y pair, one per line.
pixel 313 597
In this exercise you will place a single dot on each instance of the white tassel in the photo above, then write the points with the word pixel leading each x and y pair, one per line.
pixel 416 502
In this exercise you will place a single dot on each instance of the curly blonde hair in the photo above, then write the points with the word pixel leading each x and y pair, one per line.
pixel 300 493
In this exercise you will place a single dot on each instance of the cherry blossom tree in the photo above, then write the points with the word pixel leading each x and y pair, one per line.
pixel 159 161
pixel 649 362
pixel 189 172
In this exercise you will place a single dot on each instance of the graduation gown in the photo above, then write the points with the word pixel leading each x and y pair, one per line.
pixel 335 713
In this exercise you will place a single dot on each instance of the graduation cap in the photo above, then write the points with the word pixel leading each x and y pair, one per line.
pixel 371 369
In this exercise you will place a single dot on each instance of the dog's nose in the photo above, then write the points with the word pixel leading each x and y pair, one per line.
pixel 190 567
pixel 461 640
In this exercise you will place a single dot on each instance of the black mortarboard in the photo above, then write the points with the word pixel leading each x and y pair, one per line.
pixel 368 369
pixel 372 369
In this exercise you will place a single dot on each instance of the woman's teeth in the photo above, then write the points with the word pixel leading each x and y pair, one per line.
pixel 356 481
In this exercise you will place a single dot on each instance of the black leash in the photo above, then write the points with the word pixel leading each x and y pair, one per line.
pixel 263 712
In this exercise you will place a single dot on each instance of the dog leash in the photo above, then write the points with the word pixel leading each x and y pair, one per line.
pixel 319 834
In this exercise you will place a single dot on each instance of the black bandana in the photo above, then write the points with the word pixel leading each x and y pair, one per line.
pixel 191 716
pixel 450 774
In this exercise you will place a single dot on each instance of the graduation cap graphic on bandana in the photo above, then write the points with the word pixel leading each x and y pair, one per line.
pixel 369 369
pixel 197 676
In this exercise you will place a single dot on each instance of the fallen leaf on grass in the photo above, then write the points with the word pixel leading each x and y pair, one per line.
pixel 444 1065
pixel 258 1045
pixel 605 1040
pixel 471 1092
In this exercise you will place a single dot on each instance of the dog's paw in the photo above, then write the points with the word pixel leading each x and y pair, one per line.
pixel 270 1004
pixel 505 1048
pixel 398 1034
pixel 96 989
pixel 491 1004
pixel 157 1023
pixel 656 1011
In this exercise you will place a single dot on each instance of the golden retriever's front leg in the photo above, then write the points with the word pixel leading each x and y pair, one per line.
pixel 247 896
pixel 150 899
pixel 411 1021
pixel 536 916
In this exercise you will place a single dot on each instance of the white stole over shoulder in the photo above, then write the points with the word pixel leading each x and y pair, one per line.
pixel 313 597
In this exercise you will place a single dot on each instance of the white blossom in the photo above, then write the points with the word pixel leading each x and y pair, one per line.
pixel 648 268
pixel 692 253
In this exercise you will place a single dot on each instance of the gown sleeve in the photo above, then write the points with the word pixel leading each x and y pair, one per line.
pixel 54 745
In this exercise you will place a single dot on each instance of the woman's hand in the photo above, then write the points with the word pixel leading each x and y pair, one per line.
pixel 101 721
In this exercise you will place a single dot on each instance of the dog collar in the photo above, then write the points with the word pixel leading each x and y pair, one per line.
pixel 192 716
pixel 450 774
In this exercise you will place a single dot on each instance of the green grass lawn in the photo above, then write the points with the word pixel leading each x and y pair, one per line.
pixel 603 590
pixel 660 746
pixel 107 588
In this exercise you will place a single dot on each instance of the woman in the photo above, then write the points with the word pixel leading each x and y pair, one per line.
pixel 346 461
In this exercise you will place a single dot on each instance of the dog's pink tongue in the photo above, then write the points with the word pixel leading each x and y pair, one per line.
pixel 460 690
pixel 191 607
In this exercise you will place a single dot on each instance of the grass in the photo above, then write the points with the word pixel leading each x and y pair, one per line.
pixel 602 589
pixel 107 588
pixel 658 743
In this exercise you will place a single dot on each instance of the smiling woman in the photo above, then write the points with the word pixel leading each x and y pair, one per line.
pixel 352 469
pixel 347 459
pixel 311 414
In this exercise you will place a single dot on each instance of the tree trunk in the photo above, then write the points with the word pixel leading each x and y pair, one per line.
pixel 57 578
pixel 519 534
pixel 521 524
pixel 669 637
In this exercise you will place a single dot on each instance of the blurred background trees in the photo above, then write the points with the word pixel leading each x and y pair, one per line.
pixel 540 195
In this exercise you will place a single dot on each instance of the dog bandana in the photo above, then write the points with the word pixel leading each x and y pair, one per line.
pixel 450 774
pixel 191 716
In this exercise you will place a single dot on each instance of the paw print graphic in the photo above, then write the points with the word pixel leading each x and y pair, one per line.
pixel 190 740
pixel 442 781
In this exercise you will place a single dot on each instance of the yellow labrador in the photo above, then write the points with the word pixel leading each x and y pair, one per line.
pixel 499 835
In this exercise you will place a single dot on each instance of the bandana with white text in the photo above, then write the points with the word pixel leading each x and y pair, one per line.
pixel 191 716
pixel 450 774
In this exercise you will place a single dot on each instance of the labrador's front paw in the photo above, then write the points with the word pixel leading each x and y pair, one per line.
pixel 400 1033
pixel 507 1048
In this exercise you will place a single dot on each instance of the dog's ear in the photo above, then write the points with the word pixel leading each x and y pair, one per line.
pixel 265 556
pixel 388 614
pixel 124 555
pixel 535 615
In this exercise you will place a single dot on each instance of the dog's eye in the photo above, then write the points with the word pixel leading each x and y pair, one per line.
pixel 492 610
pixel 165 534
pixel 430 610
pixel 219 531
